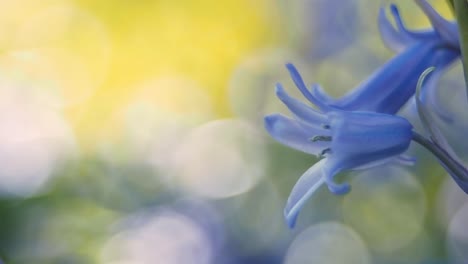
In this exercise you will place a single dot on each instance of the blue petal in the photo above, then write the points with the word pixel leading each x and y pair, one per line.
pixel 399 160
pixel 363 139
pixel 446 29
pixel 437 137
pixel 410 34
pixel 330 170
pixel 302 111
pixel 334 166
pixel 399 22
pixel 429 92
pixel 307 184
pixel 321 95
pixel 389 88
pixel 392 38
pixel 425 114
pixel 366 133
pixel 296 77
pixel 294 134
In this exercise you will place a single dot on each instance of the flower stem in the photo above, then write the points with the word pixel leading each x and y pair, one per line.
pixel 461 12
pixel 454 168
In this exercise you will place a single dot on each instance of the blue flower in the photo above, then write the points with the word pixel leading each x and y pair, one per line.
pixel 398 39
pixel 392 85
pixel 347 140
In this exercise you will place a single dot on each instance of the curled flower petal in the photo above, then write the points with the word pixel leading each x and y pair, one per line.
pixel 330 170
pixel 426 83
pixel 429 94
pixel 410 34
pixel 399 22
pixel 447 30
pixel 427 120
pixel 300 110
pixel 296 77
pixel 391 37
pixel 320 94
pixel 389 88
pixel 294 134
pixel 396 40
pixel 304 188
pixel 399 160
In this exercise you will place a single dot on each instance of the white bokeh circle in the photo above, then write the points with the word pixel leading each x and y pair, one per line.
pixel 328 242
pixel 219 159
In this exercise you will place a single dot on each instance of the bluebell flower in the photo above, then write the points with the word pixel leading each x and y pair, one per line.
pixel 392 85
pixel 400 38
pixel 347 140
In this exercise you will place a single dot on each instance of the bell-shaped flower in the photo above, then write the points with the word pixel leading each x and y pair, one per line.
pixel 393 84
pixel 347 140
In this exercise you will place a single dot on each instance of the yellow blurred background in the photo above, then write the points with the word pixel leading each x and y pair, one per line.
pixel 115 110
pixel 92 56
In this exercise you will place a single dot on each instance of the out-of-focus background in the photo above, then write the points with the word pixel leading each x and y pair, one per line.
pixel 132 132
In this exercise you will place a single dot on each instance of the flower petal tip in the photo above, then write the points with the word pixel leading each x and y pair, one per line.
pixel 269 121
pixel 290 67
pixel 406 160
pixel 394 10
pixel 295 76
pixel 290 218
pixel 279 90
pixel 339 189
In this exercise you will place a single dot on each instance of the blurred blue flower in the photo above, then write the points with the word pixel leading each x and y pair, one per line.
pixel 332 26
pixel 400 38
pixel 347 140
pixel 437 143
pixel 392 85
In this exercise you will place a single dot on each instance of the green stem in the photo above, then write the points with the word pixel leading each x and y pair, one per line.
pixel 461 12
pixel 457 170
pixel 444 158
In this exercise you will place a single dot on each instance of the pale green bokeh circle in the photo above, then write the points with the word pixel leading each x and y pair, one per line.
pixel 328 242
pixel 387 207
